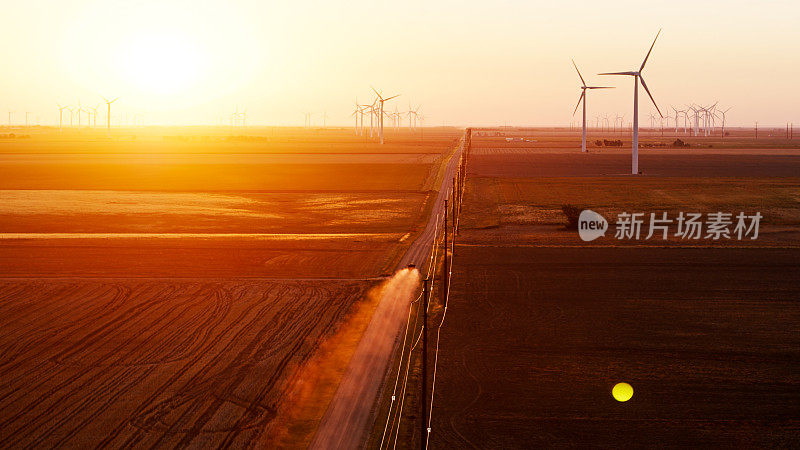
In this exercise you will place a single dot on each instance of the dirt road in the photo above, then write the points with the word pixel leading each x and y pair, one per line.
pixel 349 415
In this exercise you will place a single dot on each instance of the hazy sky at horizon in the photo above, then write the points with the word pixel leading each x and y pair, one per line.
pixel 465 62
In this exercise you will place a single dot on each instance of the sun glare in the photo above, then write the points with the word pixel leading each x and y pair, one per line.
pixel 161 62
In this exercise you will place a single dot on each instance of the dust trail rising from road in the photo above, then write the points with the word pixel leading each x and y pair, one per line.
pixel 397 291
pixel 314 385
pixel 402 285
pixel 393 296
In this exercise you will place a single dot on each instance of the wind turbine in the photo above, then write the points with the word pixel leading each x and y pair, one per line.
pixel 356 114
pixel 108 114
pixel 26 117
pixel 324 119
pixel 94 114
pixel 381 100
pixel 60 115
pixel 723 112
pixel 235 117
pixel 582 100
pixel 637 76
pixel 371 110
pixel 676 119
pixel 417 116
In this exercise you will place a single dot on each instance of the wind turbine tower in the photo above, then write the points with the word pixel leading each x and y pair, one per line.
pixel 94 114
pixel 355 114
pixel 380 114
pixel 637 76
pixel 723 112
pixel 60 115
pixel 108 112
pixel 582 100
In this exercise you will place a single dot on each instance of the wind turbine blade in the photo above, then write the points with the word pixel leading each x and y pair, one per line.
pixel 600 87
pixel 618 73
pixel 651 49
pixel 112 101
pixel 644 85
pixel 580 99
pixel 376 93
pixel 394 96
pixel 579 73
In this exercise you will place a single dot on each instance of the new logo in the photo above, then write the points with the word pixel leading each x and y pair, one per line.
pixel 591 225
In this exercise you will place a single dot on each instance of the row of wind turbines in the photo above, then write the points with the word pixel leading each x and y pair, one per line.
pixel 697 119
pixel 701 121
pixel 91 113
pixel 637 78
pixel 377 112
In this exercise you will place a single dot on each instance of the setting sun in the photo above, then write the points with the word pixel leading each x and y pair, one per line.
pixel 161 62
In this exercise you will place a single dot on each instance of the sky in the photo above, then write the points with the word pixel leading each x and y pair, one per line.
pixel 465 62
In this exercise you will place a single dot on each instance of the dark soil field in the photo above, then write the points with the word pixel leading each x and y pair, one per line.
pixel 541 325
pixel 162 362
pixel 177 291
pixel 536 338
pixel 514 162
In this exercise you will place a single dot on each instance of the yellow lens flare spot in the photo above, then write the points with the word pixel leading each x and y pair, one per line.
pixel 622 392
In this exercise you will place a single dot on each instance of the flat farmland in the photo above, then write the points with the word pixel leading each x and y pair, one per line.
pixel 540 325
pixel 177 290
pixel 223 173
pixel 156 362
pixel 516 162
pixel 528 210
pixel 535 339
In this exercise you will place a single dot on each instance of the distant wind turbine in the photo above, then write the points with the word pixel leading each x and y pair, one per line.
pixel 381 100
pixel 723 112
pixel 108 113
pixel 358 113
pixel 94 114
pixel 60 115
pixel 637 76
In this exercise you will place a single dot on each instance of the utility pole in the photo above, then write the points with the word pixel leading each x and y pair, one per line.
pixel 455 200
pixel 423 430
pixel 756 130
pixel 445 277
